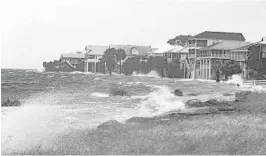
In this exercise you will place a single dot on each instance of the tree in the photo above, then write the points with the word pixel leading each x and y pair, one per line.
pixel 179 40
pixel 174 69
pixel 120 55
pixel 157 63
pixel 109 58
pixel 254 62
pixel 128 66
pixel 230 68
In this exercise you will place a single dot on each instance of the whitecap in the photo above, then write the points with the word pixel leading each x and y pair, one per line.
pixel 97 94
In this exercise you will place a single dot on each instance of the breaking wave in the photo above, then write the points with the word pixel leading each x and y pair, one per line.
pixel 31 125
pixel 150 74
pixel 160 101
pixel 97 94
pixel 236 79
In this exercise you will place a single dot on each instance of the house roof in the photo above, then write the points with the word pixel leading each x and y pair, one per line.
pixel 95 49
pixel 262 42
pixel 164 48
pixel 220 35
pixel 176 49
pixel 73 55
pixel 227 45
pixel 180 49
pixel 131 49
pixel 184 50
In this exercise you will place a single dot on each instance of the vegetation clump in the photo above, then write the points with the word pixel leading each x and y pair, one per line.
pixel 117 91
pixel 10 103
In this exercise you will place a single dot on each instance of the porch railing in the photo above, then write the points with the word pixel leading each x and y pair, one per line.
pixel 254 82
pixel 223 56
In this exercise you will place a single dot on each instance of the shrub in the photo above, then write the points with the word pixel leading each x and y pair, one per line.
pixel 251 102
pixel 116 91
pixel 10 103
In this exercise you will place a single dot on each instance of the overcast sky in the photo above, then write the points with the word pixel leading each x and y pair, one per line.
pixel 39 30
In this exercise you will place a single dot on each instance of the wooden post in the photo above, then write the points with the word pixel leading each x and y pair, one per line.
pixel 95 66
pixel 195 59
pixel 207 72
pixel 210 69
pixel 200 70
pixel 85 66
pixel 205 69
pixel 184 67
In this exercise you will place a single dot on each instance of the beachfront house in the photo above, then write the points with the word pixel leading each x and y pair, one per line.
pixel 178 53
pixel 173 54
pixel 71 60
pixel 160 50
pixel 257 57
pixel 134 50
pixel 95 53
pixel 208 47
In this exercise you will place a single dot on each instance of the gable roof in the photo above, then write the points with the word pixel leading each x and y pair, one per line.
pixel 73 55
pixel 95 49
pixel 227 45
pixel 221 35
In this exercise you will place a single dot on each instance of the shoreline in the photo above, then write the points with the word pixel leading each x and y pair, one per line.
pixel 238 131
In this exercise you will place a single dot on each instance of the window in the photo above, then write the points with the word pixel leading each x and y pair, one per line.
pixel 91 57
pixel 174 55
pixel 264 52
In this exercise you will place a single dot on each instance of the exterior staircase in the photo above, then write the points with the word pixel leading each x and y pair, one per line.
pixel 71 65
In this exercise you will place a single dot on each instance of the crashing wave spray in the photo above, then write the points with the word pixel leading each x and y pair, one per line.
pixel 236 79
pixel 159 102
pixel 31 126
pixel 150 74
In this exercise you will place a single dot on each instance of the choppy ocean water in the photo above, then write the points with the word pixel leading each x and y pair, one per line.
pixel 57 103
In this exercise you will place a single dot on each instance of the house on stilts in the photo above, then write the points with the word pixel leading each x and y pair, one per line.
pixel 208 48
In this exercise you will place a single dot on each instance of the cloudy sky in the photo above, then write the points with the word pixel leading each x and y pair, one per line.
pixel 34 31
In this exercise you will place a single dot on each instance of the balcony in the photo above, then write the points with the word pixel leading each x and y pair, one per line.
pixel 198 45
pixel 191 55
pixel 224 56
pixel 237 57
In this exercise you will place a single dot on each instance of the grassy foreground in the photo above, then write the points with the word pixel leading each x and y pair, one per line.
pixel 239 132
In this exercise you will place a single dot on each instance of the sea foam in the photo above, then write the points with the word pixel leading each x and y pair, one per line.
pixel 97 94
pixel 150 74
